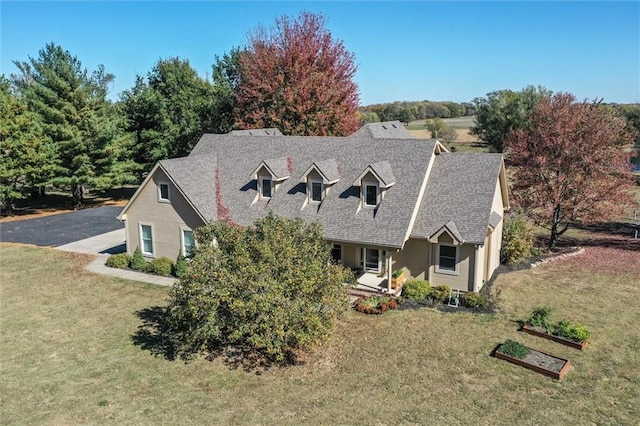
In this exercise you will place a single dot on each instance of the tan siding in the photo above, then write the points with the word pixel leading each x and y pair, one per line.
pixel 496 235
pixel 414 258
pixel 167 218
pixel 464 278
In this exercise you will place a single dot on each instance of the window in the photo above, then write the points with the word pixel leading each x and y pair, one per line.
pixel 370 259
pixel 336 253
pixel 188 242
pixel 163 192
pixel 447 259
pixel 315 191
pixel 370 194
pixel 146 239
pixel 266 188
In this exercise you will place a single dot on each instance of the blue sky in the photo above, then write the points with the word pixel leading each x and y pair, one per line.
pixel 404 50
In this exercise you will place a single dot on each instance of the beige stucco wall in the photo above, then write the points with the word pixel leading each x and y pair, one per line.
pixel 463 278
pixel 413 258
pixel 496 236
pixel 167 219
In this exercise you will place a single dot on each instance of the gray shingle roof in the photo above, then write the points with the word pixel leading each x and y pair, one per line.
pixel 459 192
pixel 389 129
pixel 387 225
pixel 257 132
pixel 278 167
pixel 460 189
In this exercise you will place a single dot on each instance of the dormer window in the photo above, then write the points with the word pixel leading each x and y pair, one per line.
pixel 373 181
pixel 371 195
pixel 266 188
pixel 318 179
pixel 269 175
pixel 315 191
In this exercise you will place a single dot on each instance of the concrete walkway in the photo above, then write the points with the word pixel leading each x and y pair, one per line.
pixel 98 267
pixel 111 243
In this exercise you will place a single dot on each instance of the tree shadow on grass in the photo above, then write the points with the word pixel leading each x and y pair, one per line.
pixel 154 336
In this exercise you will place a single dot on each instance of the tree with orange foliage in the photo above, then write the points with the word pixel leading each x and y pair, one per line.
pixel 572 163
pixel 298 78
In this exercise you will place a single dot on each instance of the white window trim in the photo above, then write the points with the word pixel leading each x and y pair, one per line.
pixel 153 239
pixel 310 182
pixel 364 194
pixel 262 179
pixel 447 271
pixel 164 200
pixel 363 260
pixel 182 247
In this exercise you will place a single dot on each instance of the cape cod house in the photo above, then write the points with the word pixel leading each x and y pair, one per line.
pixel 385 199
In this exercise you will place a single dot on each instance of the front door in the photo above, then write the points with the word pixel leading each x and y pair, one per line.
pixel 371 260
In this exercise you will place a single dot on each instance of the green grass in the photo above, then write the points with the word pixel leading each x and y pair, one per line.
pixel 68 357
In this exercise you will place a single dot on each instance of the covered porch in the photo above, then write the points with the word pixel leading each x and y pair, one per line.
pixel 369 283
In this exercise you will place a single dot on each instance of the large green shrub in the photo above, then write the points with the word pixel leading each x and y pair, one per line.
pixel 440 293
pixel 517 240
pixel 180 267
pixel 514 349
pixel 475 301
pixel 137 260
pixel 160 266
pixel 269 289
pixel 120 261
pixel 416 289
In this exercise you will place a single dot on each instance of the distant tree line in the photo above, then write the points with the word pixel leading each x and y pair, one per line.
pixel 406 112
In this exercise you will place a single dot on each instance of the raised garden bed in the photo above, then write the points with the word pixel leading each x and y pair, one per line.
pixel 540 362
pixel 541 332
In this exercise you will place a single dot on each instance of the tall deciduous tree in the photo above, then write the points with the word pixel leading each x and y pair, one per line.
pixel 29 158
pixel 270 289
pixel 298 78
pixel 572 163
pixel 69 102
pixel 503 111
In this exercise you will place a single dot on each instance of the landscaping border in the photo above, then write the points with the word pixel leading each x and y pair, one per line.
pixel 558 375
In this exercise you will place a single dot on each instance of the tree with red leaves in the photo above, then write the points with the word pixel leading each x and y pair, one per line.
pixel 572 163
pixel 297 78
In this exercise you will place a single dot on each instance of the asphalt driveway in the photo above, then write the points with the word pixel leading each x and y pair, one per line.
pixel 62 228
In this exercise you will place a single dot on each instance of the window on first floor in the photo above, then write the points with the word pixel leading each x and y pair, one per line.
pixel 146 239
pixel 266 188
pixel 370 259
pixel 188 242
pixel 336 253
pixel 163 191
pixel 447 259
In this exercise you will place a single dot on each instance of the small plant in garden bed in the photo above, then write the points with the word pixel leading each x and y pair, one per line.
pixel 416 289
pixel 539 324
pixel 475 301
pixel 160 266
pixel 514 349
pixel 375 304
pixel 397 273
pixel 440 293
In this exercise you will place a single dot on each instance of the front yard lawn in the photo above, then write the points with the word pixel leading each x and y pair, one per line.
pixel 68 356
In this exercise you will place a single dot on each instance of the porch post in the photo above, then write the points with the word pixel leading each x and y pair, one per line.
pixel 389 261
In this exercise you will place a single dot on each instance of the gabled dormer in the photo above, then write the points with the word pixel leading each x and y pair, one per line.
pixel 319 178
pixel 269 175
pixel 374 180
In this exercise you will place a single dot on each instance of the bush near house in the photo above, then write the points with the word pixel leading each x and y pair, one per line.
pixel 440 293
pixel 416 289
pixel 160 266
pixel 120 261
pixel 517 240
pixel 475 301
pixel 137 260
pixel 269 289
pixel 180 267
